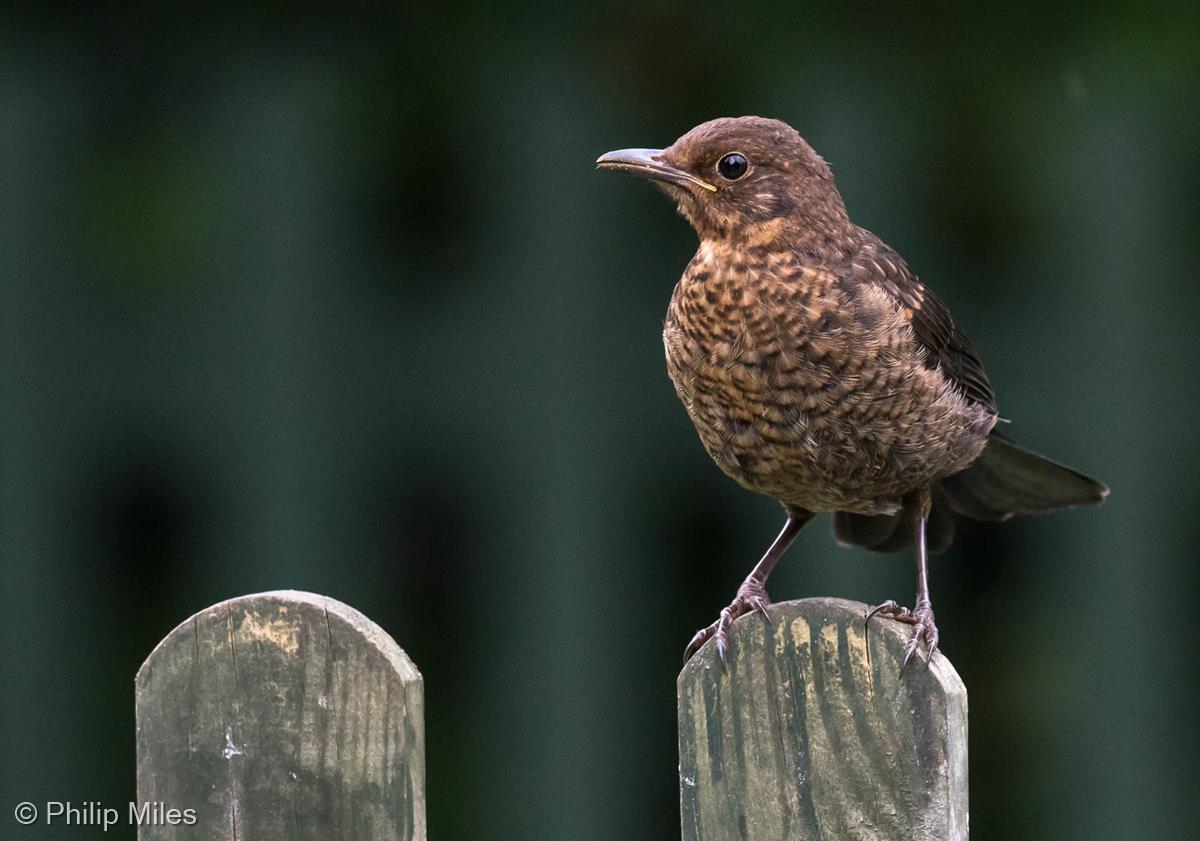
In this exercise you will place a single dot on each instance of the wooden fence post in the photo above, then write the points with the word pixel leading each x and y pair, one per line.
pixel 807 738
pixel 281 715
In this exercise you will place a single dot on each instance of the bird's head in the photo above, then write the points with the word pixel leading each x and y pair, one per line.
pixel 746 179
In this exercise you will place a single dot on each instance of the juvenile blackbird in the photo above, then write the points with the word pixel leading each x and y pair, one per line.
pixel 820 371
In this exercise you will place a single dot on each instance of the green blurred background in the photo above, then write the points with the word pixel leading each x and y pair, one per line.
pixel 332 299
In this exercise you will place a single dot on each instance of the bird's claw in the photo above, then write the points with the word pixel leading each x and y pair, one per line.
pixel 751 596
pixel 924 636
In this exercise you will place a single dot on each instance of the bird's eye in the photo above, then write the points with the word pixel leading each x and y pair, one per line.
pixel 733 166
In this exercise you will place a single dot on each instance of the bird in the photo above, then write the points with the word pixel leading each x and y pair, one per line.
pixel 819 370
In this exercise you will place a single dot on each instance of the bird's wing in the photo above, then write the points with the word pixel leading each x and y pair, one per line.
pixel 946 346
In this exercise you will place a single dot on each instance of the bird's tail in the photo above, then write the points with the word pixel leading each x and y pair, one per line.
pixel 1005 481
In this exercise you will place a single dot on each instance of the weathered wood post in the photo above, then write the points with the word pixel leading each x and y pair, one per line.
pixel 282 715
pixel 807 738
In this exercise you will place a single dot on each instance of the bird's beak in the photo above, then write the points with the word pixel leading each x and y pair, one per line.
pixel 648 163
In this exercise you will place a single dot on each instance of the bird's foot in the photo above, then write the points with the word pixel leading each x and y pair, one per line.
pixel 924 634
pixel 752 595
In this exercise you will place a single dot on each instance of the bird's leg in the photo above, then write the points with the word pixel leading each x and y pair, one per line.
pixel 752 595
pixel 925 633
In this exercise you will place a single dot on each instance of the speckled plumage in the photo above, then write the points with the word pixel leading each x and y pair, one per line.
pixel 806 381
pixel 820 371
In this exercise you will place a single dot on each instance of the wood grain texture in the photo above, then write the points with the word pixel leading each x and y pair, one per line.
pixel 282 715
pixel 807 738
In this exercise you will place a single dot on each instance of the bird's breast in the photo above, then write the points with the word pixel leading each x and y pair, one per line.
pixel 805 387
